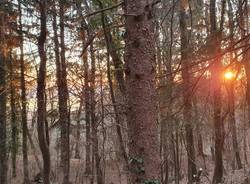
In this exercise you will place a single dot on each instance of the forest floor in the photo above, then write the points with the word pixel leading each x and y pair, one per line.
pixel 115 174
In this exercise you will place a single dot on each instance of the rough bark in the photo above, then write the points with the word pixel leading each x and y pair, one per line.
pixel 41 105
pixel 140 69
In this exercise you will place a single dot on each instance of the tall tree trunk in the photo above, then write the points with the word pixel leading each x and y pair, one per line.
pixel 86 89
pixel 3 136
pixel 198 129
pixel 102 119
pixel 14 125
pixel 232 125
pixel 63 102
pixel 216 78
pixel 118 114
pixel 41 102
pixel 140 85
pixel 231 96
pixel 23 103
pixel 177 171
pixel 87 115
pixel 243 18
pixel 97 158
pixel 243 24
pixel 187 93
pixel 166 92
pixel 119 76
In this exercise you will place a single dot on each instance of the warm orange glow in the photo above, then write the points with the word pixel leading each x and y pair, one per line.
pixel 229 75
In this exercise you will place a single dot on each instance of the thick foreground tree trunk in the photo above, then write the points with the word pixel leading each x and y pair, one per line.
pixel 144 160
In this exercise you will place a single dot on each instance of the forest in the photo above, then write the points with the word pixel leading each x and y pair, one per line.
pixel 124 91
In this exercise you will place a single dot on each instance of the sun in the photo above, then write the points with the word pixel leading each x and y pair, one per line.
pixel 229 75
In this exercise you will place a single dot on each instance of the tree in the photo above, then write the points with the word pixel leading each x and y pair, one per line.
pixel 23 102
pixel 141 92
pixel 14 124
pixel 216 69
pixel 243 16
pixel 87 111
pixel 3 136
pixel 41 102
pixel 3 99
pixel 129 86
pixel 63 101
pixel 187 90
pixel 231 97
pixel 119 75
pixel 61 75
pixel 86 90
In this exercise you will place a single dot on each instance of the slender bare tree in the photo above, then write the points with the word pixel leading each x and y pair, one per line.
pixel 41 101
